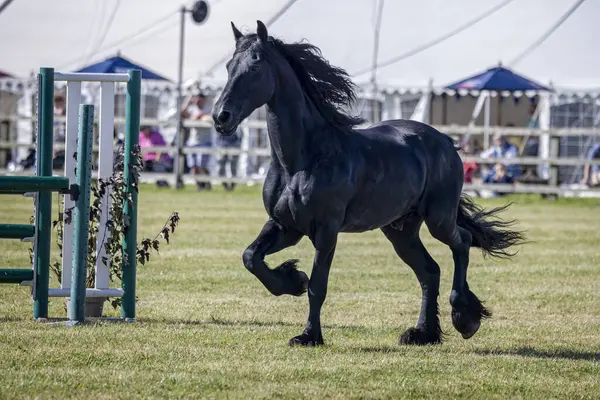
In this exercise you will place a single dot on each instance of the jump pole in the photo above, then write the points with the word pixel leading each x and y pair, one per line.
pixel 43 217
pixel 76 186
pixel 82 213
pixel 132 129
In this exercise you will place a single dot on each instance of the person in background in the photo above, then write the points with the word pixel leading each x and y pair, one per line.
pixel 469 167
pixel 502 149
pixel 58 156
pixel 591 173
pixel 195 109
pixel 233 141
pixel 499 175
pixel 60 112
pixel 155 162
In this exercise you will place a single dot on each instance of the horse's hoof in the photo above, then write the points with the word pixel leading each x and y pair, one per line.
pixel 471 330
pixel 418 337
pixel 294 281
pixel 306 341
pixel 301 282
pixel 465 324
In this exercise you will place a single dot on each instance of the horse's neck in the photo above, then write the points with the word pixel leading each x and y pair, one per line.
pixel 291 120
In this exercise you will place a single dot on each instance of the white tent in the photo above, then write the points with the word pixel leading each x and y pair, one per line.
pixel 67 34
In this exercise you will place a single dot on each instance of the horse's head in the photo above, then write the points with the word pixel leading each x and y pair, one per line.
pixel 250 81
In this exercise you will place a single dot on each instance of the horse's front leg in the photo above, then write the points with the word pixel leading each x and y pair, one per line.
pixel 285 279
pixel 325 241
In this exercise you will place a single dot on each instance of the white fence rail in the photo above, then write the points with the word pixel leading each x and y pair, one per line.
pixel 552 161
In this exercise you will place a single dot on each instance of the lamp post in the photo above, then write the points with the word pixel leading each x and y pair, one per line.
pixel 199 13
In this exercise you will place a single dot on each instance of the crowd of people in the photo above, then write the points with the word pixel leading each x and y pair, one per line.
pixel 499 172
pixel 509 172
pixel 200 164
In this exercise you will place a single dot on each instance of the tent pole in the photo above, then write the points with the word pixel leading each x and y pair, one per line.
pixel 486 122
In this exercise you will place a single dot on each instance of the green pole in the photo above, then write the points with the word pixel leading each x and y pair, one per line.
pixel 44 203
pixel 15 275
pixel 24 184
pixel 132 131
pixel 82 212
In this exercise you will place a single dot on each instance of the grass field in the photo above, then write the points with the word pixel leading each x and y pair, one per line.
pixel 207 328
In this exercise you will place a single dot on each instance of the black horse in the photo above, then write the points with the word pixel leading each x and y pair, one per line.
pixel 326 177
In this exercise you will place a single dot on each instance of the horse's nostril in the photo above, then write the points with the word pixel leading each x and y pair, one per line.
pixel 224 117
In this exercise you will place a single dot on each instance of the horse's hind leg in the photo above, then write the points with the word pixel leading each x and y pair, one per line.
pixel 467 310
pixel 409 247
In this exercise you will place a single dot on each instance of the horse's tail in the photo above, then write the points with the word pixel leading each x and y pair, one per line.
pixel 490 234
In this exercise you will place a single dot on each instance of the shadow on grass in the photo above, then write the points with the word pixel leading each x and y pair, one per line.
pixel 253 323
pixel 212 321
pixel 381 349
pixel 531 352
pixel 13 319
pixel 57 321
pixel 566 354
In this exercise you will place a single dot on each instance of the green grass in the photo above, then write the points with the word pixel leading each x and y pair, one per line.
pixel 207 328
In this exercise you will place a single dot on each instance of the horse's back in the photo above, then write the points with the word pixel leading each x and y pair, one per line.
pixel 412 140
pixel 444 168
pixel 418 152
pixel 404 129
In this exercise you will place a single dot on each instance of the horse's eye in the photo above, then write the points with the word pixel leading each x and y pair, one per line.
pixel 254 68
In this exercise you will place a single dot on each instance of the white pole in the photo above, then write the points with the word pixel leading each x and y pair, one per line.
pixel 73 101
pixel 242 168
pixel 486 123
pixel 397 106
pixel 105 170
pixel 543 170
pixel 420 112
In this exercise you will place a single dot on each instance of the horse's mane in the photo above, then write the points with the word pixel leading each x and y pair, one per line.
pixel 329 87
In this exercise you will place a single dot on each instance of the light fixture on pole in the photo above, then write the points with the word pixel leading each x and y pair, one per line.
pixel 199 13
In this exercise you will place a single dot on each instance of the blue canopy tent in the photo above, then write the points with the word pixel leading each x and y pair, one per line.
pixel 119 64
pixel 497 79
pixel 500 79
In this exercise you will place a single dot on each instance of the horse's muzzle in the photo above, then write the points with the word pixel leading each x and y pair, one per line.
pixel 224 122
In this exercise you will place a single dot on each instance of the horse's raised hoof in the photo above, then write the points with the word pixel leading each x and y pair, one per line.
pixel 306 340
pixel 293 281
pixel 418 337
pixel 465 324
pixel 467 313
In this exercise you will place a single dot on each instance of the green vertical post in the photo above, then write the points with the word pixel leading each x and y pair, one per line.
pixel 45 137
pixel 132 131
pixel 82 212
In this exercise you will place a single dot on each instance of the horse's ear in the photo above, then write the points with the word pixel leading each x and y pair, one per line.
pixel 261 31
pixel 236 33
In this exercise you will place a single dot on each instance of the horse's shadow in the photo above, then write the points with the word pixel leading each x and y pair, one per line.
pixel 525 351
pixel 530 352
pixel 249 323
pixel 566 354
pixel 214 321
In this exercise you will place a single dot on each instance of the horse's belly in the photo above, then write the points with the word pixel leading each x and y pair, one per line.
pixel 390 188
pixel 366 215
